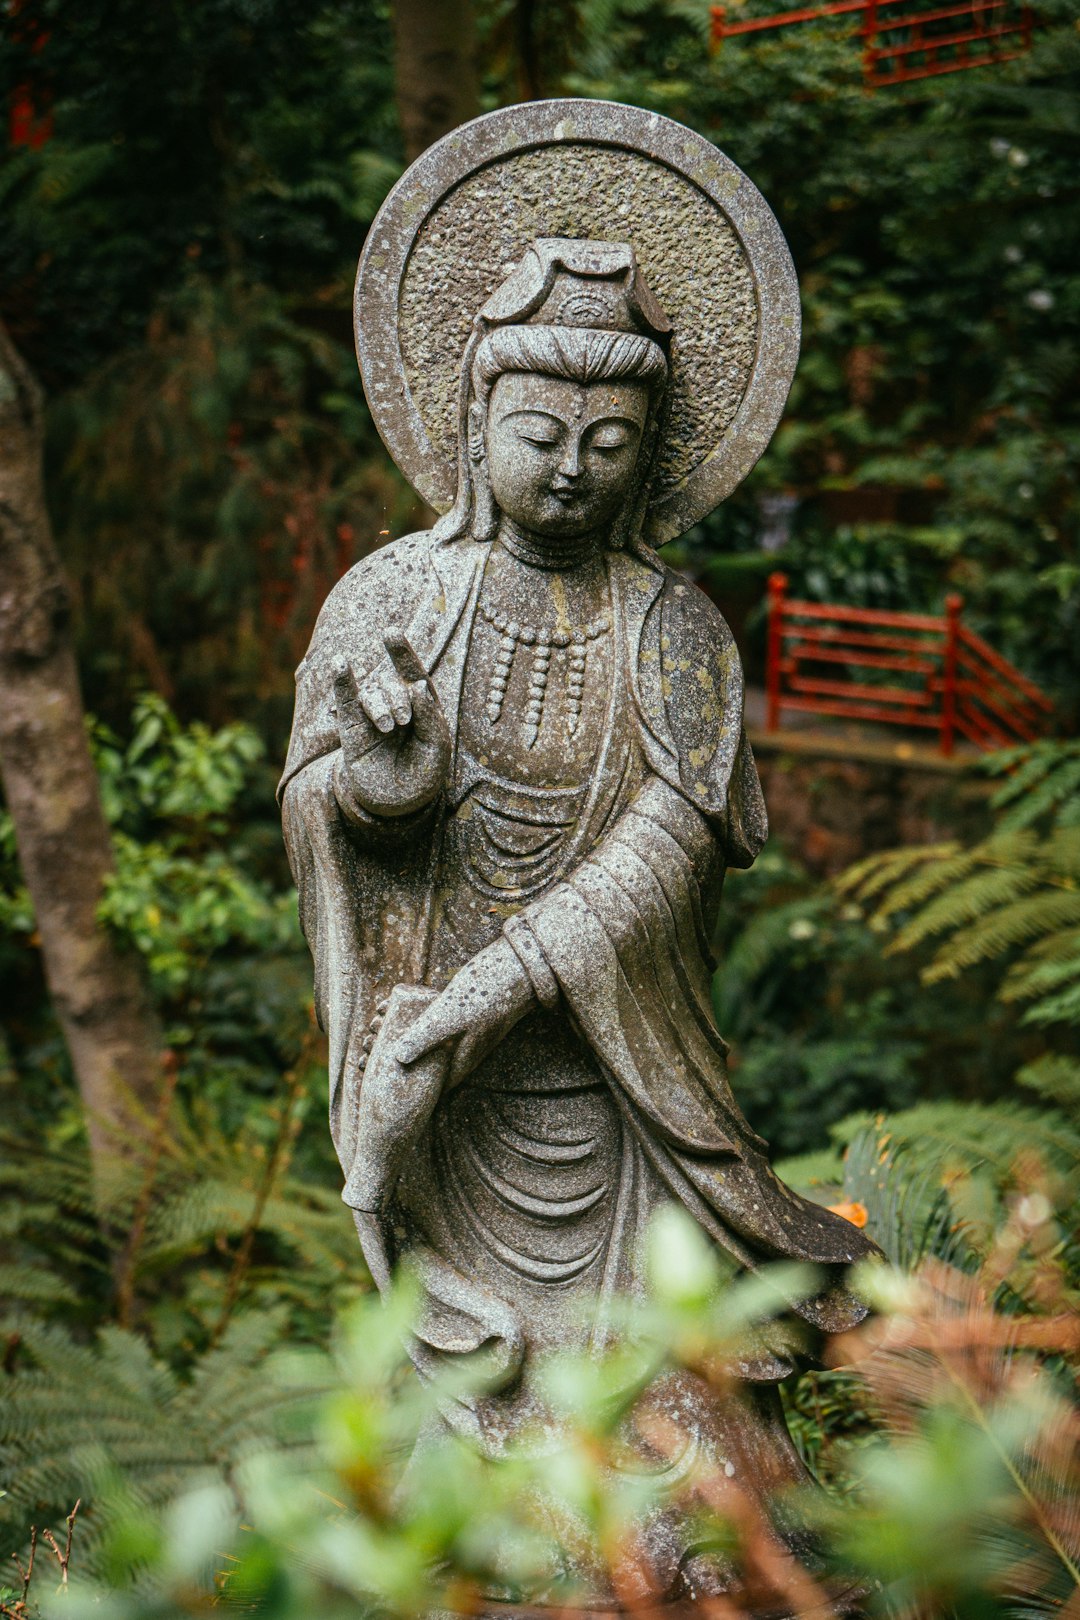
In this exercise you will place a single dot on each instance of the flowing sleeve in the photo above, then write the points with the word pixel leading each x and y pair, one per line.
pixel 624 937
pixel 363 888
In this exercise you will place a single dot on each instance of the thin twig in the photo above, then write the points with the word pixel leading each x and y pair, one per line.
pixel 70 1528
pixel 63 1558
pixel 29 1570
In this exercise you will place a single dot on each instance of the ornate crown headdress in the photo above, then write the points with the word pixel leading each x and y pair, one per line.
pixel 574 283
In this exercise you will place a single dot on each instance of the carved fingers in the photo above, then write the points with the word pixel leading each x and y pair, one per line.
pixel 416 690
pixel 354 719
pixel 480 1005
pixel 394 738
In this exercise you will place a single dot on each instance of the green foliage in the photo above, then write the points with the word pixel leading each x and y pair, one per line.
pixel 108 1421
pixel 134 1346
pixel 207 427
pixel 200 891
pixel 235 132
pixel 214 483
pixel 822 1024
pixel 931 438
pixel 939 1179
pixel 175 263
pixel 959 1494
pixel 170 796
pixel 1013 897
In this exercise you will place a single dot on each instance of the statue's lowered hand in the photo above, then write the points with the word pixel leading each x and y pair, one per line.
pixel 395 742
pixel 481 1004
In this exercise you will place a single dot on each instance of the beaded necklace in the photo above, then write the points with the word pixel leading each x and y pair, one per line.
pixel 513 635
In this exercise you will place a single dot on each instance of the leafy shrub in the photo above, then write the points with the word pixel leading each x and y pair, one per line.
pixel 960 1492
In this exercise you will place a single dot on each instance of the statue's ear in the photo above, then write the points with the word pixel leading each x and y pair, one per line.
pixel 477 447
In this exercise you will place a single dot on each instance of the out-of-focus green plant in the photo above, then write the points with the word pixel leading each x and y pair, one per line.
pixel 1011 898
pixel 822 1023
pixel 200 891
pixel 965 1503
pixel 216 482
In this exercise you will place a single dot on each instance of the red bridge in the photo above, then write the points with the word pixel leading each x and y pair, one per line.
pixel 906 669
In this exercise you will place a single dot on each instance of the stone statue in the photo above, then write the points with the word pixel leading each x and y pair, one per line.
pixel 518 770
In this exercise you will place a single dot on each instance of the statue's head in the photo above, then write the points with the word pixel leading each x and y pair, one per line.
pixel 562 394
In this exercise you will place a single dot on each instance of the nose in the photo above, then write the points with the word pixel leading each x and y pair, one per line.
pixel 570 465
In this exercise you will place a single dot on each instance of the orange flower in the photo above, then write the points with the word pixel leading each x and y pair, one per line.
pixel 855 1213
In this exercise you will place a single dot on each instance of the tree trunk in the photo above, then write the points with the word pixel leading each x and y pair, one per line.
pixel 53 796
pixel 438 84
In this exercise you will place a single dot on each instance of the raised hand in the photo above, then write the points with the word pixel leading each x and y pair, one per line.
pixel 395 742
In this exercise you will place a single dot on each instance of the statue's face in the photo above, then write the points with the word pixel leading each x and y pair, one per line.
pixel 561 455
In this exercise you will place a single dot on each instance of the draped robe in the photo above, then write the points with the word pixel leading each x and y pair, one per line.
pixel 623 934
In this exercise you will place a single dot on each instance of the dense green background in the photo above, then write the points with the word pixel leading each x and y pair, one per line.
pixel 177 260
pixel 176 265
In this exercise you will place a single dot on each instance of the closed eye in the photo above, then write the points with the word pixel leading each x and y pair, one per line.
pixel 543 440
pixel 614 434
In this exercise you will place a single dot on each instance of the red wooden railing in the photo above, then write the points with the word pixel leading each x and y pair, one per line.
pixel 29 120
pixel 906 669
pixel 927 40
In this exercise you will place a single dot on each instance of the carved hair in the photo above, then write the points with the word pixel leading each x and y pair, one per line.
pixel 577 354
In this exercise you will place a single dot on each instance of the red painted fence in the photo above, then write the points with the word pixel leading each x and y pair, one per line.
pixel 906 669
pixel 919 41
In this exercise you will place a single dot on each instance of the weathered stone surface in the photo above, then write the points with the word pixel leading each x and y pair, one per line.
pixel 517 775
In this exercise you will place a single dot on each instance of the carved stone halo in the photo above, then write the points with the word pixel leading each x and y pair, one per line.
pixel 458 221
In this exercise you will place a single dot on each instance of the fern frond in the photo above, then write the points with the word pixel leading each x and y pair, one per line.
pixel 72 1414
pixel 957 903
pixel 1063 1008
pixel 1058 948
pixel 868 877
pixel 905 1212
pixel 1004 929
pixel 1061 855
pixel 922 883
pixel 1048 973
pixel 932 1178
pixel 34 1284
pixel 1044 777
pixel 1056 1077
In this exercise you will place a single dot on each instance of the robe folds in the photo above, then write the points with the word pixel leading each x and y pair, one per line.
pixel 622 936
